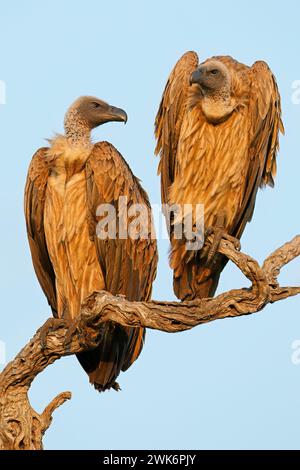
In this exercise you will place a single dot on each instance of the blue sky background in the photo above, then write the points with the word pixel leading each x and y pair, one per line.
pixel 228 384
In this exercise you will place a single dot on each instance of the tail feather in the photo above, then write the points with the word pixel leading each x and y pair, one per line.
pixel 135 346
pixel 196 280
pixel 114 353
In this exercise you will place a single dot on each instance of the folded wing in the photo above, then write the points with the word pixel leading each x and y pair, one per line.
pixel 128 264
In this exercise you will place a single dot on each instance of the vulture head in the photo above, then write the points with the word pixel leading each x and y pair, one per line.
pixel 211 87
pixel 213 77
pixel 88 112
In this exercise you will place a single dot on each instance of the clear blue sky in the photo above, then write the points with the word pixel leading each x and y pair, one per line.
pixel 228 384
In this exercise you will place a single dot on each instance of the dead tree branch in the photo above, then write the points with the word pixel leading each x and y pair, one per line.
pixel 22 428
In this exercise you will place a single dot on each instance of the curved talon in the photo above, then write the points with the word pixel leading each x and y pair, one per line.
pixel 218 234
pixel 51 325
pixel 237 244
pixel 235 241
pixel 116 387
pixel 72 327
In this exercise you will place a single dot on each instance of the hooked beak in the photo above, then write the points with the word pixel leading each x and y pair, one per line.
pixel 196 76
pixel 116 114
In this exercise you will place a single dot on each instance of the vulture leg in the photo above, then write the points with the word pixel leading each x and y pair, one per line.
pixel 72 327
pixel 51 325
pixel 116 386
pixel 218 231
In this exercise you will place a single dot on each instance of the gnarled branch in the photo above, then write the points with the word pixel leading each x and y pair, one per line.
pixel 22 428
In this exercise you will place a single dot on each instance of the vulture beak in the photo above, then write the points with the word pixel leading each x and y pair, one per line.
pixel 196 76
pixel 116 114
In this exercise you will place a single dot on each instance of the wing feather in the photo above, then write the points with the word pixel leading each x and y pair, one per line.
pixel 128 265
pixel 264 126
pixel 169 119
pixel 34 202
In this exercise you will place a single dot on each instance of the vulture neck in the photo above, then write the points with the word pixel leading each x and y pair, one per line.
pixel 77 130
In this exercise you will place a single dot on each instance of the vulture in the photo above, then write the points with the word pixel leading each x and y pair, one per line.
pixel 217 131
pixel 66 184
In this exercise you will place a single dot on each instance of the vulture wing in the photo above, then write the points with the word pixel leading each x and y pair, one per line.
pixel 264 126
pixel 169 119
pixel 34 201
pixel 128 265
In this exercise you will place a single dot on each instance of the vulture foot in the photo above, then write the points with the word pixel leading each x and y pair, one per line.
pixel 51 325
pixel 72 327
pixel 218 234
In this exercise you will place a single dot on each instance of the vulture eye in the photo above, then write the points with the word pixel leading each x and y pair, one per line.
pixel 214 71
pixel 95 104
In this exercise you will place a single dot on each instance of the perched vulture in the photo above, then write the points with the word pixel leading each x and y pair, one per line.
pixel 217 136
pixel 66 183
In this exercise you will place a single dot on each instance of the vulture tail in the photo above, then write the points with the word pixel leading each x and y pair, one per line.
pixel 117 350
pixel 196 281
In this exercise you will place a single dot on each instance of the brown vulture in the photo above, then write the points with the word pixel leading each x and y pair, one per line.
pixel 66 183
pixel 217 136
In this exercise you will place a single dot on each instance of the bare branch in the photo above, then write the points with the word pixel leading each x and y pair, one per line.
pixel 22 428
pixel 59 400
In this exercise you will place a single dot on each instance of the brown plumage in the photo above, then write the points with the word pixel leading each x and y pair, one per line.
pixel 217 135
pixel 65 185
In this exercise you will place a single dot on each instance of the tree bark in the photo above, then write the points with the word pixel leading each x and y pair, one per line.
pixel 21 427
